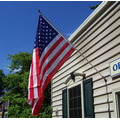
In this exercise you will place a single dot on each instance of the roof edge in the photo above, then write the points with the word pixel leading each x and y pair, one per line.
pixel 88 20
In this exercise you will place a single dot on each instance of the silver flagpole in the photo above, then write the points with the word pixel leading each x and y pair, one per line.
pixel 69 42
pixel 83 57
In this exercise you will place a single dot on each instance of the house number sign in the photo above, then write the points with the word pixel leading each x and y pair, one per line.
pixel 114 67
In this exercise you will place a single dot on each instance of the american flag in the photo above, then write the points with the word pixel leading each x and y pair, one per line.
pixel 50 52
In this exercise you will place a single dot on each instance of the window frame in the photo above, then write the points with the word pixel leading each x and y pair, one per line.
pixel 82 97
pixel 115 101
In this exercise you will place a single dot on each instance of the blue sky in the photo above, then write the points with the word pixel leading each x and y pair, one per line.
pixel 18 23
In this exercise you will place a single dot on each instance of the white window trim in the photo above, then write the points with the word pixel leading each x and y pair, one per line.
pixel 114 91
pixel 82 100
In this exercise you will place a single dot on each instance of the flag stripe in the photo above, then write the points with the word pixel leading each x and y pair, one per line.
pixel 49 47
pixel 51 56
pixel 29 101
pixel 37 106
pixel 37 69
pixel 55 63
pixel 50 52
pixel 48 56
pixel 32 103
pixel 57 67
pixel 35 84
pixel 29 85
pixel 35 73
pixel 31 82
pixel 53 59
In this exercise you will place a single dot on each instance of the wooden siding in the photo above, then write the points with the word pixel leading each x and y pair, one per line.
pixel 100 44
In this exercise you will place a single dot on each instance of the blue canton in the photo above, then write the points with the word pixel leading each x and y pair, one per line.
pixel 45 34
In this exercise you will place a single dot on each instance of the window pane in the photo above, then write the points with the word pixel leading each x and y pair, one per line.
pixel 71 103
pixel 75 113
pixel 71 114
pixel 75 102
pixel 70 93
pixel 74 92
pixel 79 113
pixel 78 90
pixel 79 101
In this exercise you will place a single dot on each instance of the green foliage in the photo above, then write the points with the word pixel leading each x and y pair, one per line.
pixel 94 7
pixel 17 82
pixel 2 75
pixel 20 62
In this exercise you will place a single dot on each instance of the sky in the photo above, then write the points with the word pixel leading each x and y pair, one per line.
pixel 19 19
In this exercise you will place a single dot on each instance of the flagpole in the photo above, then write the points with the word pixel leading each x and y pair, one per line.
pixel 82 56
pixel 69 42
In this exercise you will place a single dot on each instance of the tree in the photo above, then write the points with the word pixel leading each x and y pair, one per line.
pixel 94 7
pixel 2 75
pixel 17 80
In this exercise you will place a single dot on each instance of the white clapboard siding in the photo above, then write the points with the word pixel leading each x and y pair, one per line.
pixel 104 115
pixel 100 35
pixel 95 25
pixel 59 97
pixel 100 44
pixel 57 102
pixel 103 107
pixel 101 99
pixel 98 52
pixel 59 107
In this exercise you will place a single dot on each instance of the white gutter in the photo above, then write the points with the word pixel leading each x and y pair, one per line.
pixel 88 20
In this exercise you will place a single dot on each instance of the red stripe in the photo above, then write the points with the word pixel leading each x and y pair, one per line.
pixel 38 106
pixel 31 82
pixel 54 58
pixel 50 51
pixel 32 103
pixel 57 67
pixel 37 71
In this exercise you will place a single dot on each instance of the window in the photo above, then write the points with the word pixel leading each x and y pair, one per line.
pixel 77 100
pixel 116 101
pixel 75 109
pixel 118 104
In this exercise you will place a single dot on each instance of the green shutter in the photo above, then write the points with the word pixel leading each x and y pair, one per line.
pixel 64 103
pixel 88 98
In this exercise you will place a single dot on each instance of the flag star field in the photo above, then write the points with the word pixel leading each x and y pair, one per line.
pixel 45 33
pixel 19 19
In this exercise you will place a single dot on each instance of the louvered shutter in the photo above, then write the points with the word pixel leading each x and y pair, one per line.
pixel 64 104
pixel 88 98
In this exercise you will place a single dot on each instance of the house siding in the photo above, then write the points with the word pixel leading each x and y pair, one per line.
pixel 100 44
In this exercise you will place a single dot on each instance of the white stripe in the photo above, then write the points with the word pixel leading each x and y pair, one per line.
pixel 30 102
pixel 34 75
pixel 35 102
pixel 48 47
pixel 34 68
pixel 35 92
pixel 51 56
pixel 55 64
pixel 29 78
pixel 29 85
